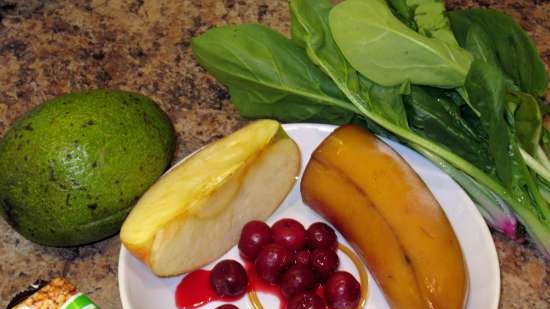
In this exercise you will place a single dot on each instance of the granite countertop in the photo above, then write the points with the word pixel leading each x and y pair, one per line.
pixel 52 47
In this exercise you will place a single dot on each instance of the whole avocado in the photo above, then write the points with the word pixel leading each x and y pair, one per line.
pixel 72 168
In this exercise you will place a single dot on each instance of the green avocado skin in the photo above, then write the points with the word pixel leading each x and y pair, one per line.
pixel 72 168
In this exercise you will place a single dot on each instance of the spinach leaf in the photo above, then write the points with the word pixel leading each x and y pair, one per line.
pixel 491 206
pixel 402 11
pixel 487 89
pixel 310 29
pixel 271 76
pixel 542 154
pixel 268 75
pixel 427 17
pixel 432 21
pixel 480 44
pixel 526 118
pixel 389 53
pixel 433 114
pixel 515 51
pixel 381 110
pixel 384 101
pixel 545 141
pixel 544 188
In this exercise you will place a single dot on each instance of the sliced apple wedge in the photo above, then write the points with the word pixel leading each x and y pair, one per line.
pixel 194 213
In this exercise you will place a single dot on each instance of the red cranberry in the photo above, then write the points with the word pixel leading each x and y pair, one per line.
pixel 272 261
pixel 298 278
pixel 302 257
pixel 342 291
pixel 228 278
pixel 254 236
pixel 324 262
pixel 305 300
pixel 321 235
pixel 227 306
pixel 289 233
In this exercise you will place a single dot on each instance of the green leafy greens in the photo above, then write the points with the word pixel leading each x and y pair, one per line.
pixel 268 75
pixel 509 44
pixel 399 70
pixel 389 53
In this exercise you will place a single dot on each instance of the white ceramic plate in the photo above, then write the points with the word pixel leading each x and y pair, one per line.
pixel 140 289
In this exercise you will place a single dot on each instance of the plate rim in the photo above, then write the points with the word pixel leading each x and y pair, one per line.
pixel 123 252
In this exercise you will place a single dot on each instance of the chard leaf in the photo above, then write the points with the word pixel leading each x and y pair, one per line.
pixel 271 76
pixel 480 44
pixel 487 89
pixel 402 9
pixel 432 21
pixel 268 75
pixel 515 51
pixel 384 101
pixel 381 108
pixel 545 142
pixel 310 28
pixel 389 53
pixel 526 118
pixel 491 206
pixel 433 114
pixel 403 12
pixel 544 188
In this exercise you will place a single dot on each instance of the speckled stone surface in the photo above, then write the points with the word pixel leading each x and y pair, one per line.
pixel 52 47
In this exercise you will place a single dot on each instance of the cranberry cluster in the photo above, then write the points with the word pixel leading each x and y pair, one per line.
pixel 293 258
pixel 297 260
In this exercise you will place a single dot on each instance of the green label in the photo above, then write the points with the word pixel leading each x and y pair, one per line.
pixel 80 301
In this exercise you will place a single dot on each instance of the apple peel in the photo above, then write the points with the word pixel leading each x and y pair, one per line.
pixel 193 214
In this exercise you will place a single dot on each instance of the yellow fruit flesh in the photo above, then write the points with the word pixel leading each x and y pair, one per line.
pixel 414 218
pixel 194 213
pixel 252 193
pixel 185 188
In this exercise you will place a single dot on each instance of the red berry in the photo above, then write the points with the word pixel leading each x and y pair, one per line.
pixel 321 235
pixel 289 233
pixel 227 306
pixel 324 262
pixel 228 278
pixel 342 291
pixel 272 261
pixel 305 300
pixel 298 278
pixel 302 257
pixel 254 236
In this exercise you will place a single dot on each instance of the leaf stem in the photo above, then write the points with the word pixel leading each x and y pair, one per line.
pixel 535 165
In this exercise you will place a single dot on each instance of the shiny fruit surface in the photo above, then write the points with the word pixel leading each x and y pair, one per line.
pixel 227 306
pixel 297 278
pixel 383 208
pixel 229 278
pixel 272 261
pixel 342 291
pixel 289 233
pixel 324 262
pixel 305 300
pixel 302 257
pixel 321 235
pixel 254 236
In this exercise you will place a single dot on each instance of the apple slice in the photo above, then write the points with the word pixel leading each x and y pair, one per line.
pixel 194 213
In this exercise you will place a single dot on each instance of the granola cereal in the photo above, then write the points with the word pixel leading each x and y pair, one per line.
pixel 56 294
